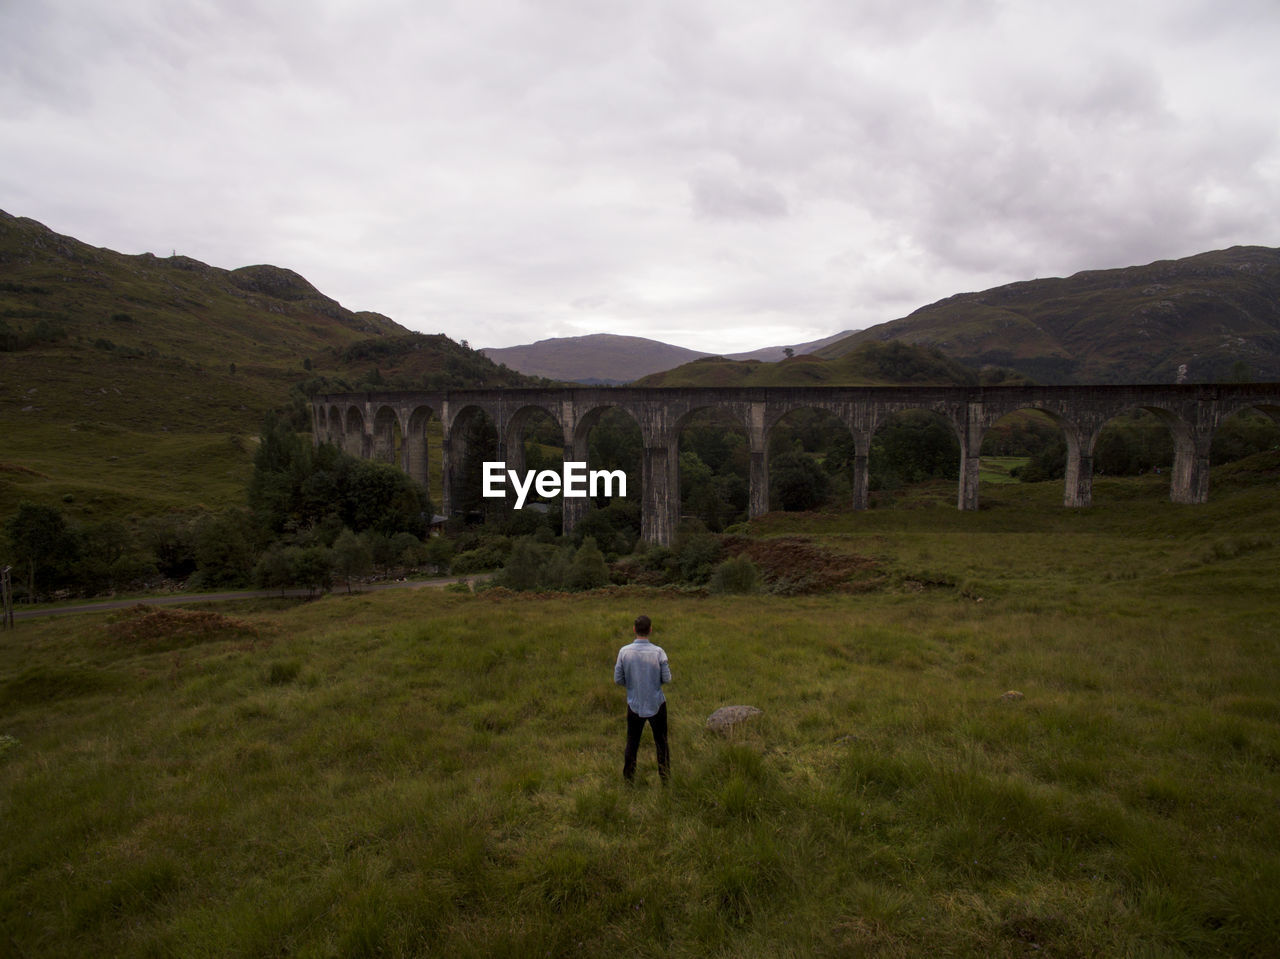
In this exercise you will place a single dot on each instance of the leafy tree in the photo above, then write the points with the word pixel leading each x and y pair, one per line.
pixel 1131 444
pixel 1025 433
pixel 319 495
pixel 40 541
pixel 351 557
pixel 312 567
pixel 524 522
pixel 281 465
pixel 1048 464
pixel 797 482
pixel 407 549
pixel 273 570
pixel 170 539
pixel 108 555
pixel 913 447
pixel 840 457
pixel 615 444
pixel 223 554
pixel 809 430
pixel 1244 434
pixel 294 487
pixel 615 528
pixel 479 444
pixel 379 496
pixel 281 567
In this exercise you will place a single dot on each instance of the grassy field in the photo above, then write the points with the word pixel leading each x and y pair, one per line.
pixel 996 469
pixel 436 773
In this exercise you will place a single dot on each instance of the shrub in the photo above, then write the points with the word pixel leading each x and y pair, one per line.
pixel 524 567
pixel 437 553
pixel 490 554
pixel 696 554
pixel 588 570
pixel 736 575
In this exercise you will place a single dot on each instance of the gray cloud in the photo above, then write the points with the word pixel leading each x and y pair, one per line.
pixel 721 195
pixel 720 175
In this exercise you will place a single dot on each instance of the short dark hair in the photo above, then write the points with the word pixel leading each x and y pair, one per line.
pixel 643 625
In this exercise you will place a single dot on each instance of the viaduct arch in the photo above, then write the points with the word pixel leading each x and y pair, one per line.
pixel 391 426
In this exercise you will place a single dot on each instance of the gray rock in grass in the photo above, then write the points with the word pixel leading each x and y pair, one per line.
pixel 726 717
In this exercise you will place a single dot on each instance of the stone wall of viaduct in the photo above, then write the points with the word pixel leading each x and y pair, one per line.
pixel 366 425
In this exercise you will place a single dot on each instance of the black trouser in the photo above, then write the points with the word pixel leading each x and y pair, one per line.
pixel 635 729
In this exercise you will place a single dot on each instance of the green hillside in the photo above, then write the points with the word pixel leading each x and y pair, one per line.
pixel 870 364
pixel 140 382
pixel 1217 314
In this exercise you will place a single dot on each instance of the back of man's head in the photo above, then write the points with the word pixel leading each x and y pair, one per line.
pixel 643 625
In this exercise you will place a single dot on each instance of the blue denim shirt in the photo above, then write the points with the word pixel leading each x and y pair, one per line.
pixel 642 667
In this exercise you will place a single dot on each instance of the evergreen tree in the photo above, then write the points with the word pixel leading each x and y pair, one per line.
pixel 588 570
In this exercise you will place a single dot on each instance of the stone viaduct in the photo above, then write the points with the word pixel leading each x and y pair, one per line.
pixel 391 426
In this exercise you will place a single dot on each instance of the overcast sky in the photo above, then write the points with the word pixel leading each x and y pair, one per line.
pixel 719 175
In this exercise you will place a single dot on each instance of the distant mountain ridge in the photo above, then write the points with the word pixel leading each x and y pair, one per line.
pixel 608 358
pixel 603 358
pixel 1210 317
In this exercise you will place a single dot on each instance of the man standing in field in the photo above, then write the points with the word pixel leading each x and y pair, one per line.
pixel 642 667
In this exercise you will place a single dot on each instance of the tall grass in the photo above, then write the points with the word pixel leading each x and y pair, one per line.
pixel 431 773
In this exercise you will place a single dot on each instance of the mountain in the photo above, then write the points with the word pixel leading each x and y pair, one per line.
pixel 146 341
pixel 1217 314
pixel 606 358
pixel 137 383
pixel 599 358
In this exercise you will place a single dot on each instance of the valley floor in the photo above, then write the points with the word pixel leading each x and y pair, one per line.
pixel 435 772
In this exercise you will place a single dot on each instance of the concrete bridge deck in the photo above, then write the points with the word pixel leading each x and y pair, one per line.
pixel 392 426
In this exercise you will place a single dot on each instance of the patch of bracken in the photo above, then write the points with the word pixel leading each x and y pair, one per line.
pixel 793 565
pixel 152 627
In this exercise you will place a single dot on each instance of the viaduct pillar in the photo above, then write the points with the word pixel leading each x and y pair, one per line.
pixel 1078 482
pixel 970 445
pixel 573 510
pixel 758 471
pixel 660 506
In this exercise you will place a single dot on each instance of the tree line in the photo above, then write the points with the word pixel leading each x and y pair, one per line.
pixel 313 516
